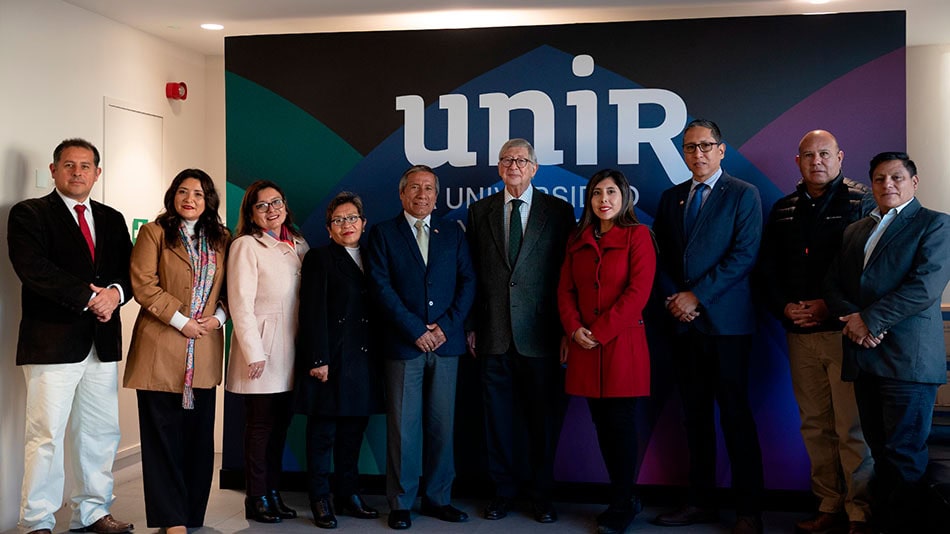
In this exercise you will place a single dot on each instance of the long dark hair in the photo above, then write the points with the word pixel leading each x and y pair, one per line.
pixel 209 221
pixel 625 215
pixel 245 224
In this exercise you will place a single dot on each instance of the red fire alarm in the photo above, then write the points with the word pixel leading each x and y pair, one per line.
pixel 176 90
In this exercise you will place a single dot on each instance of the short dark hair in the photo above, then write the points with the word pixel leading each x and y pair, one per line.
pixel 75 142
pixel 705 123
pixel 893 156
pixel 345 197
pixel 245 224
pixel 209 220
pixel 414 169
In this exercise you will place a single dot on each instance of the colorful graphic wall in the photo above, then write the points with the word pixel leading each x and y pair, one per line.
pixel 321 113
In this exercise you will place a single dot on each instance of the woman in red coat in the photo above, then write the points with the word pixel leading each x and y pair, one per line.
pixel 605 283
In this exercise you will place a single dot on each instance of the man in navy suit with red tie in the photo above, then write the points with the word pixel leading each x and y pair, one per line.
pixel 72 257
pixel 708 230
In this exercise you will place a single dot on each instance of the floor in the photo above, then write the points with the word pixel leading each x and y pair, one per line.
pixel 226 515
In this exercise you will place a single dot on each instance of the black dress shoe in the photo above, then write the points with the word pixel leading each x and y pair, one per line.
pixel 399 519
pixel 322 513
pixel 260 509
pixel 445 512
pixel 544 512
pixel 355 506
pixel 687 515
pixel 284 511
pixel 498 508
pixel 616 519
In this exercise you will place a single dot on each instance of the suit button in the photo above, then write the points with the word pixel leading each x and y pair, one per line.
pixel 363 349
pixel 513 284
pixel 431 303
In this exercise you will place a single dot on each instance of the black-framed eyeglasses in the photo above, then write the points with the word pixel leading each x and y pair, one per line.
pixel 520 162
pixel 689 148
pixel 277 204
pixel 349 219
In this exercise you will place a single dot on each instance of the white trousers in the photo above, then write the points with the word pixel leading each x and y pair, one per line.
pixel 84 395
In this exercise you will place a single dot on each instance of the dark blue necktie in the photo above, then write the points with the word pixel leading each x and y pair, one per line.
pixel 692 211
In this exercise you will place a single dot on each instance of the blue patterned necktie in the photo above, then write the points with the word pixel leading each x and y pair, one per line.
pixel 692 211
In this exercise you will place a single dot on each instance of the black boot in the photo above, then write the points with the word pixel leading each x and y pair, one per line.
pixel 260 509
pixel 282 510
pixel 322 513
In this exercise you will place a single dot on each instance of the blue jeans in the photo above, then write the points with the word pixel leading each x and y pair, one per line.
pixel 896 417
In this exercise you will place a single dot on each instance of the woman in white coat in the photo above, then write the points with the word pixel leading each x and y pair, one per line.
pixel 263 281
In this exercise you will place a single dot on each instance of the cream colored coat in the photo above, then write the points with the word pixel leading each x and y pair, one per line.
pixel 263 286
pixel 162 283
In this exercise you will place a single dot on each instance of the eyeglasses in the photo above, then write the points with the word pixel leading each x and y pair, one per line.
pixel 349 219
pixel 262 207
pixel 689 148
pixel 520 162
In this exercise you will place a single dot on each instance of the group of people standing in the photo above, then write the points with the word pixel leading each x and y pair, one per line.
pixel 545 304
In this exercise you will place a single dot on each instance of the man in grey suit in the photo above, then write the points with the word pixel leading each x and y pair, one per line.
pixel 885 286
pixel 517 238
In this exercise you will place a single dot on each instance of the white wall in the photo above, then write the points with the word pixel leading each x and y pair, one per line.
pixel 928 125
pixel 57 62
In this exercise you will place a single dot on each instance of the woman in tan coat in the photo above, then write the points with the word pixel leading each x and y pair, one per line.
pixel 174 363
pixel 263 280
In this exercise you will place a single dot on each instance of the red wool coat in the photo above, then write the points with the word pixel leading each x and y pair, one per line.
pixel 604 287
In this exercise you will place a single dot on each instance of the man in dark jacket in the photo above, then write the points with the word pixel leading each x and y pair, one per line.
pixel 802 236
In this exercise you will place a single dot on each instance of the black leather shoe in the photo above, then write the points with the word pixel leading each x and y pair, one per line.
pixel 260 509
pixel 399 519
pixel 284 511
pixel 687 515
pixel 544 512
pixel 616 519
pixel 322 513
pixel 498 508
pixel 445 512
pixel 355 506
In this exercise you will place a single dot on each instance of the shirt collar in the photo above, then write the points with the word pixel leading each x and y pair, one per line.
pixel 525 197
pixel 711 181
pixel 71 203
pixel 878 215
pixel 412 220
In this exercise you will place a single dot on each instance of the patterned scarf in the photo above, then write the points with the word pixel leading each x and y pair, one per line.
pixel 203 265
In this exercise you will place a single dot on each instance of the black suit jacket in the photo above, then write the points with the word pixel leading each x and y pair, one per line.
pixel 338 327
pixel 518 305
pixel 50 256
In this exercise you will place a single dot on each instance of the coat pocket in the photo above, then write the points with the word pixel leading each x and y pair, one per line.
pixel 269 329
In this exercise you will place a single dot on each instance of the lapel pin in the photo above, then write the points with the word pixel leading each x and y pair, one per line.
pixel 436 230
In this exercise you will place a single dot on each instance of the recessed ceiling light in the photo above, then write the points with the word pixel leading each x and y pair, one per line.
pixel 212 26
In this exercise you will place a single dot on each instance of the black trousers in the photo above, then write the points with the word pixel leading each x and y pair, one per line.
pixel 266 418
pixel 715 369
pixel 524 407
pixel 177 457
pixel 615 421
pixel 342 438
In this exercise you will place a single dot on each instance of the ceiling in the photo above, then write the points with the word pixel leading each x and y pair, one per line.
pixel 178 21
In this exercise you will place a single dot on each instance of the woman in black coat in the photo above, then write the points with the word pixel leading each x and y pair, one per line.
pixel 338 381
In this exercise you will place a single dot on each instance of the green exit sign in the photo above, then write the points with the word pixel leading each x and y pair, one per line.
pixel 136 224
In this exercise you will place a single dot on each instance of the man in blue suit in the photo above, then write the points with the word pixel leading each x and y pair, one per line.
pixel 708 230
pixel 423 279
pixel 886 286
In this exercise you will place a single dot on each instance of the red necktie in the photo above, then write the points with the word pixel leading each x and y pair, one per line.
pixel 84 228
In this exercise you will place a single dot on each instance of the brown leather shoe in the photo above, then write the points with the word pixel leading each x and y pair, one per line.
pixel 859 527
pixel 106 525
pixel 822 523
pixel 687 515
